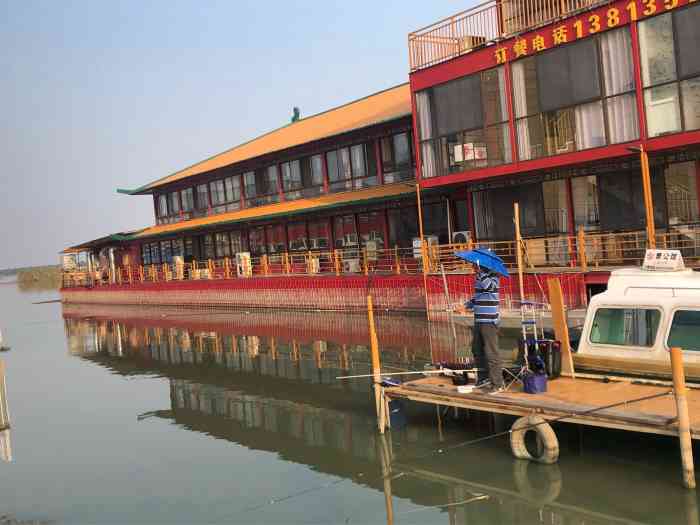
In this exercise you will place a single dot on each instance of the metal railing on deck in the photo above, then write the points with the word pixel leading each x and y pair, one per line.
pixel 561 253
pixel 484 24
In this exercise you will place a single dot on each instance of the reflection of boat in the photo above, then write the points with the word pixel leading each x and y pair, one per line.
pixel 630 327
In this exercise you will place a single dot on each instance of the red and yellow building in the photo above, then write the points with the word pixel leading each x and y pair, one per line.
pixel 555 105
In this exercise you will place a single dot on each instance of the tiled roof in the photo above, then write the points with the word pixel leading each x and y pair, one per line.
pixel 380 107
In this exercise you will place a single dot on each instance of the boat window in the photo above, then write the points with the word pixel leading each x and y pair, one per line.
pixel 625 326
pixel 685 330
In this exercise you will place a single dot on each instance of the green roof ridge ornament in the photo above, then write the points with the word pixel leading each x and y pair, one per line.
pixel 296 116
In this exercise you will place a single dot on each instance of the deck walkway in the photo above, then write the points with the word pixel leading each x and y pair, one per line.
pixel 569 400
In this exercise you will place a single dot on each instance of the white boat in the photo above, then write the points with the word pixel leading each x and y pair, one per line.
pixel 630 328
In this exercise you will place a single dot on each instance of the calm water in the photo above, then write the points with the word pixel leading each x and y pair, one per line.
pixel 123 415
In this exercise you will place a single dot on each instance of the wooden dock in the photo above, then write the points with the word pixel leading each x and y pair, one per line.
pixel 578 401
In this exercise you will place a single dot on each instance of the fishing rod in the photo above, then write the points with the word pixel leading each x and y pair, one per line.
pixel 440 371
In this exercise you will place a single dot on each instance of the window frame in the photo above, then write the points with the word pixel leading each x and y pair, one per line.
pixel 672 315
pixel 649 348
pixel 678 79
pixel 603 99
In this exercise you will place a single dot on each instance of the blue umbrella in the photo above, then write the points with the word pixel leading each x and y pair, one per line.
pixel 485 258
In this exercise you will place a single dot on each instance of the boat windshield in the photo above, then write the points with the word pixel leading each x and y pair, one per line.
pixel 625 326
pixel 685 330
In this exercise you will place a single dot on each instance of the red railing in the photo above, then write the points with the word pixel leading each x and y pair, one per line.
pixel 485 24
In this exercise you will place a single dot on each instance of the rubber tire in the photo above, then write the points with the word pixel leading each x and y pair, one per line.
pixel 539 496
pixel 550 452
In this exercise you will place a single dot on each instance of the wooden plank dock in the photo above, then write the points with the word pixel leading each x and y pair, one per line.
pixel 578 401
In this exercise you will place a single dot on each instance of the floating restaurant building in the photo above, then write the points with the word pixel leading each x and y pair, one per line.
pixel 587 114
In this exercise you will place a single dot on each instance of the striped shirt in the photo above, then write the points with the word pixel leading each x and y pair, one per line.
pixel 485 301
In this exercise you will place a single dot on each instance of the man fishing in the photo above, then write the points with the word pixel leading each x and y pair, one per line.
pixel 485 304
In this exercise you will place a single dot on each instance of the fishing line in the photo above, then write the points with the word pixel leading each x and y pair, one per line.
pixel 443 450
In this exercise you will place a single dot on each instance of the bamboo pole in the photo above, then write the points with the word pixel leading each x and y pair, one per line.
pixel 679 392
pixel 648 199
pixel 519 248
pixel 397 261
pixel 376 365
pixel 581 244
pixel 424 252
pixel 336 262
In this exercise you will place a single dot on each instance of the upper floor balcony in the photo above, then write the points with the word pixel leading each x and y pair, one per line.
pixel 485 24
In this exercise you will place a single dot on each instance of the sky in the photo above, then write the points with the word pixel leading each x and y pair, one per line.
pixel 99 95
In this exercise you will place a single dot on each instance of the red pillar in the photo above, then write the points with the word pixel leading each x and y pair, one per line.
pixel 324 167
pixel 697 179
pixel 378 156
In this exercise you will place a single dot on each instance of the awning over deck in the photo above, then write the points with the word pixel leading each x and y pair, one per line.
pixel 286 209
pixel 113 238
pixel 387 105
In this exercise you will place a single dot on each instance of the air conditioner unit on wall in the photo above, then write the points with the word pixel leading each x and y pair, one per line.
pixel 462 237
pixel 243 266
pixel 351 266
pixel 430 240
pixel 314 264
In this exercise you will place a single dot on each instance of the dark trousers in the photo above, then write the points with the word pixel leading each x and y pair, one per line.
pixel 485 350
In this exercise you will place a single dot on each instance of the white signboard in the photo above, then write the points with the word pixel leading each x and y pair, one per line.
pixel 664 260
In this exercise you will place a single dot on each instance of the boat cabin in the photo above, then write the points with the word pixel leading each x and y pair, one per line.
pixel 645 312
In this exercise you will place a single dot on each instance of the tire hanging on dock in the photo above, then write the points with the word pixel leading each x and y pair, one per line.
pixel 548 451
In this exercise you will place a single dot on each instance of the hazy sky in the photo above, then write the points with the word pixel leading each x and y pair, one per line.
pixel 97 95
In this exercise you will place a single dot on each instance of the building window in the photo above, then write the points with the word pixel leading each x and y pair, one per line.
pixel 239 242
pixel 166 253
pixel 202 197
pixel 403 226
pixel 397 161
pixel 297 236
pixel 563 103
pixel 178 247
pixel 146 254
pixel 464 123
pixel 276 239
pixel 668 46
pixel 556 206
pixel 256 237
pixel 261 186
pixel 349 168
pixel 302 178
pixel 371 230
pixel 162 205
pixel 584 191
pixel 208 247
pixel 223 245
pixel 175 203
pixel 187 196
pixel 344 232
pixel 681 193
pixel 319 235
pixel 155 253
pixel 232 186
pixel 491 205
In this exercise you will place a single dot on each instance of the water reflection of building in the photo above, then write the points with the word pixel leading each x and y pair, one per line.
pixel 279 394
pixel 5 445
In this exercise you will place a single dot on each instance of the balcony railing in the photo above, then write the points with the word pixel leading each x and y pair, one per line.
pixel 559 253
pixel 485 24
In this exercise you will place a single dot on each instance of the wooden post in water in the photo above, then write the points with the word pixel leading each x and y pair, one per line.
pixel 679 392
pixel 376 366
